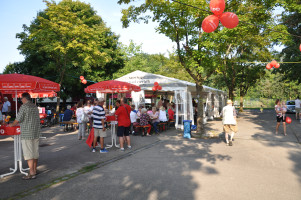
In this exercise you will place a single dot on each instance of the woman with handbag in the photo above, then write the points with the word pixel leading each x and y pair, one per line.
pixel 82 119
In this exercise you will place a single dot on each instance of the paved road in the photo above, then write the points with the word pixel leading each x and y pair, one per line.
pixel 260 165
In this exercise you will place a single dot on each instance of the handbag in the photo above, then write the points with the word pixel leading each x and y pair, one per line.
pixel 84 117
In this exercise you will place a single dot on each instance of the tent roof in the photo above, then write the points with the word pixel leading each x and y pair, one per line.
pixel 146 82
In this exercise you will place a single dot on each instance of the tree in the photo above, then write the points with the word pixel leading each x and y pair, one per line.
pixel 200 54
pixel 67 40
pixel 136 59
pixel 182 25
pixel 291 53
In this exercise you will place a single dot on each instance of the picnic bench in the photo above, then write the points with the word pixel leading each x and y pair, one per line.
pixel 66 124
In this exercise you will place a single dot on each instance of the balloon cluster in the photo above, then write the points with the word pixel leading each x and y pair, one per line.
pixel 273 64
pixel 82 78
pixel 157 86
pixel 228 19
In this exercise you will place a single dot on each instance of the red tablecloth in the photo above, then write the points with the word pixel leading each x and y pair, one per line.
pixel 6 130
pixel 111 118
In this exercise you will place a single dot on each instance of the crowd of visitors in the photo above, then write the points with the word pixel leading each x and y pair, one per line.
pixel 94 114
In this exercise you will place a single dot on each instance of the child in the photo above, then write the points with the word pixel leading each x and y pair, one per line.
pixel 261 108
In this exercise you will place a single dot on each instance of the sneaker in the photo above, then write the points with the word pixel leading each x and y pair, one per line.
pixel 121 149
pixel 93 150
pixel 103 151
pixel 227 144
pixel 129 147
pixel 276 133
pixel 230 143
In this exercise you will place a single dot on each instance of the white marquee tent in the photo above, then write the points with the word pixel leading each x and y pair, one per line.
pixel 181 91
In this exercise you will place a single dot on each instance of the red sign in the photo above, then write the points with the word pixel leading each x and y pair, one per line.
pixel 6 130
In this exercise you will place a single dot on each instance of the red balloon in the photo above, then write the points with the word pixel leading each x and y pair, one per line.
pixel 217 6
pixel 300 47
pixel 277 66
pixel 210 23
pixel 159 87
pixel 274 63
pixel 229 20
pixel 269 66
pixel 288 120
pixel 154 88
pixel 42 121
pixel 82 77
pixel 84 81
pixel 156 84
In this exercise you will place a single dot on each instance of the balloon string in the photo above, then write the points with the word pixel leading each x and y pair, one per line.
pixel 278 62
pixel 239 21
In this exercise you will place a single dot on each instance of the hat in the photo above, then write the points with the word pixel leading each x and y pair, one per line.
pixel 68 107
pixel 5 98
pixel 100 99
pixel 229 101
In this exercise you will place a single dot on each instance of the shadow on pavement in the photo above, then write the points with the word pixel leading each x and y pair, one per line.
pixel 165 171
pixel 266 135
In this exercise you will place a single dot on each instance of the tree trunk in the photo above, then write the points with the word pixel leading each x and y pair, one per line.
pixel 64 102
pixel 200 116
pixel 58 101
pixel 241 108
pixel 231 93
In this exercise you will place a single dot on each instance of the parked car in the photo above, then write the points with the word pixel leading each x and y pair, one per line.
pixel 290 107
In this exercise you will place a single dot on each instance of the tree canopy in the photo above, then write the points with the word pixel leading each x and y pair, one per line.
pixel 66 40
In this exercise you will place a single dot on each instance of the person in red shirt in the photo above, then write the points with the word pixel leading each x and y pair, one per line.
pixel 124 123
pixel 171 113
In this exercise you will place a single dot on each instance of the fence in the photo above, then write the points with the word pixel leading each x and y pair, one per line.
pixel 256 103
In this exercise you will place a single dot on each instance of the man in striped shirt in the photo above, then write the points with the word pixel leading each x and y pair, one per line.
pixel 99 117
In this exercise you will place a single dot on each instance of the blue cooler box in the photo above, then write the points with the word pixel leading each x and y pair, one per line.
pixel 187 129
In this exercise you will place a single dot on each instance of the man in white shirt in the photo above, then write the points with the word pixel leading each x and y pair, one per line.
pixel 298 109
pixel 6 108
pixel 229 122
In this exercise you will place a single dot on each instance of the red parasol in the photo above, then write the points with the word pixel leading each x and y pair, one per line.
pixel 26 83
pixel 112 86
pixel 17 83
pixel 32 94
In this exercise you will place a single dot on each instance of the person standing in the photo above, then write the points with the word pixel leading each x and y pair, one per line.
pixel 280 116
pixel 81 118
pixel 99 118
pixel 29 119
pixel 229 122
pixel 133 116
pixel 6 107
pixel 160 103
pixel 298 109
pixel 124 123
pixel 88 109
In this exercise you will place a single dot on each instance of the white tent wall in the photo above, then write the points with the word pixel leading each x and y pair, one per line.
pixel 183 93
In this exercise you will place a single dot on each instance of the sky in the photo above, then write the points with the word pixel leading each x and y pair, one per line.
pixel 15 13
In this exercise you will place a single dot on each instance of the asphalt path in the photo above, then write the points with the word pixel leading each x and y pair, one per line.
pixel 260 165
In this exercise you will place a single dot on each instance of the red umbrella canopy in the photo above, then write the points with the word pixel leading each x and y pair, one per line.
pixel 26 83
pixel 112 86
